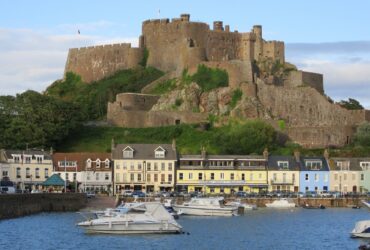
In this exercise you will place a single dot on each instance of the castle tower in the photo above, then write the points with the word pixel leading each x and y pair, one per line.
pixel 258 45
pixel 185 17
pixel 218 26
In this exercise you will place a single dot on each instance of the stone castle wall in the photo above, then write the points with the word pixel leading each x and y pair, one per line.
pixel 95 63
pixel 303 78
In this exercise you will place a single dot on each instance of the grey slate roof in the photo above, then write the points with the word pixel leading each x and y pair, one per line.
pixel 354 164
pixel 274 159
pixel 46 154
pixel 215 157
pixel 144 151
pixel 303 167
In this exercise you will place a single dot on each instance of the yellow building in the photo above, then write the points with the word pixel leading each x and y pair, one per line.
pixel 283 174
pixel 144 167
pixel 214 174
pixel 28 169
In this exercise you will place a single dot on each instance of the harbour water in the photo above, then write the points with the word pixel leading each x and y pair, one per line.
pixel 262 229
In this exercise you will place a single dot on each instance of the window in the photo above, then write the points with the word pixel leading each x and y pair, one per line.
pixel 159 152
pixel 148 166
pixel 5 173
pixel 335 176
pixel 190 176
pixel 124 165
pixel 163 178
pixel 155 166
pixel 362 177
pixel 39 159
pixel 132 166
pixel 232 176
pixel 117 166
pixel 37 173
pixel 306 177
pixel 222 176
pixel 260 176
pixel 293 178
pixel 343 165
pixel 250 176
pixel 212 176
pixel 170 166
pixel 274 177
pixel 170 178
pixel 106 177
pixel 284 177
pixel 124 177
pixel 132 177
pixel 138 177
pixel 283 164
pixel 365 165
pixel 16 158
pixel 139 166
pixel 316 177
pixel 212 190
pixel 28 173
pixel 306 189
pixel 74 176
pixel 353 176
pixel 128 153
pixel 19 173
pixel 88 176
pixel 148 177
pixel 67 176
pixel 163 168
pixel 314 165
pixel 200 176
pixel 27 159
pixel 107 165
pixel 345 177
pixel 96 176
pixel 88 163
pixel 243 177
pixel 117 177
pixel 155 177
pixel 181 176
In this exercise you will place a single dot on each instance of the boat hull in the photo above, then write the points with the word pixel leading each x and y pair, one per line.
pixel 205 211
pixel 280 207
pixel 360 235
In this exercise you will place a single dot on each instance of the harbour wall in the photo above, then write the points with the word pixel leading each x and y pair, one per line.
pixel 17 205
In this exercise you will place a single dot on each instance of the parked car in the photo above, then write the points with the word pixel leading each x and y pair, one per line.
pixel 90 194
pixel 126 192
pixel 325 194
pixel 138 193
pixel 7 190
pixel 241 194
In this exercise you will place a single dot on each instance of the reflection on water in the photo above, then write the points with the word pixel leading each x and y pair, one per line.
pixel 261 229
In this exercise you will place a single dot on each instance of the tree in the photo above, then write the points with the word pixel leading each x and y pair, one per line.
pixel 351 104
pixel 362 135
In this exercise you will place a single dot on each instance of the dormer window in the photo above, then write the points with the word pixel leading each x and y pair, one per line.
pixel 106 163
pixel 27 159
pixel 16 158
pixel 343 165
pixel 283 164
pixel 98 163
pixel 365 165
pixel 39 158
pixel 314 164
pixel 159 152
pixel 128 152
pixel 88 163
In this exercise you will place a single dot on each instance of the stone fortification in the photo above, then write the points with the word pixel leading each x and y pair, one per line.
pixel 95 63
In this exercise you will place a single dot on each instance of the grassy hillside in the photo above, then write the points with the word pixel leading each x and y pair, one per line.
pixel 92 98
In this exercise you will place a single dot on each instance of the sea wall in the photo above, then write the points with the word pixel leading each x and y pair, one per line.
pixel 17 205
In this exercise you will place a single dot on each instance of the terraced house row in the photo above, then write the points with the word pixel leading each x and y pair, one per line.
pixel 159 167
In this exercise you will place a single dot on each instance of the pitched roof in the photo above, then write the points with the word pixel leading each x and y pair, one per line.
pixel 354 163
pixel 275 159
pixel 80 158
pixel 46 154
pixel 229 157
pixel 324 167
pixel 54 180
pixel 144 151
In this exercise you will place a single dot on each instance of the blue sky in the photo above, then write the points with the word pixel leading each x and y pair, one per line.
pixel 327 36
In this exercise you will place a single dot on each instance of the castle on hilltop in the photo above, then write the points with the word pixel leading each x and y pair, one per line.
pixel 272 89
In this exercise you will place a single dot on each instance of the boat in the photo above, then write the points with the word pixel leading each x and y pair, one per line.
pixel 145 218
pixel 238 203
pixel 307 206
pixel 362 229
pixel 366 203
pixel 281 203
pixel 213 206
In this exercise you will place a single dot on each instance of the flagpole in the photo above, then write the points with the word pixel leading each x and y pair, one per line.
pixel 65 174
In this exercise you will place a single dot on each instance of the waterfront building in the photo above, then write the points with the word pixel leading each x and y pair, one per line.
pixel 345 175
pixel 91 171
pixel 217 174
pixel 283 174
pixel 144 167
pixel 314 174
pixel 28 169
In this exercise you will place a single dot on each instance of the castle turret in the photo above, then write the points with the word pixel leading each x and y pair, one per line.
pixel 257 30
pixel 258 45
pixel 185 17
pixel 218 26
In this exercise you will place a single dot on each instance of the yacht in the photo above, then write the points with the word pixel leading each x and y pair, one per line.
pixel 206 206
pixel 362 229
pixel 146 218
pixel 366 203
pixel 281 203
pixel 238 203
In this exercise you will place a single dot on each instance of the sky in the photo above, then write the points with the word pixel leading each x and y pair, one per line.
pixel 330 37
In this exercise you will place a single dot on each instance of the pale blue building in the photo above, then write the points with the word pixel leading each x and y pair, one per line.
pixel 314 175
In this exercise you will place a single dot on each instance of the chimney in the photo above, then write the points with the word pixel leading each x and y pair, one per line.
pixel 297 155
pixel 266 154
pixel 174 144
pixel 203 152
pixel 326 154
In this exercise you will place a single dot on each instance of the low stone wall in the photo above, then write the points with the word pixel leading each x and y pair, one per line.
pixel 16 205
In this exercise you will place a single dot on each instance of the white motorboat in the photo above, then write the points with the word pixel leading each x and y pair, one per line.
pixel 366 203
pixel 238 203
pixel 281 203
pixel 150 218
pixel 206 206
pixel 362 229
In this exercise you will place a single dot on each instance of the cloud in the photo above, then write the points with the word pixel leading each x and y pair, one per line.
pixel 345 66
pixel 33 60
